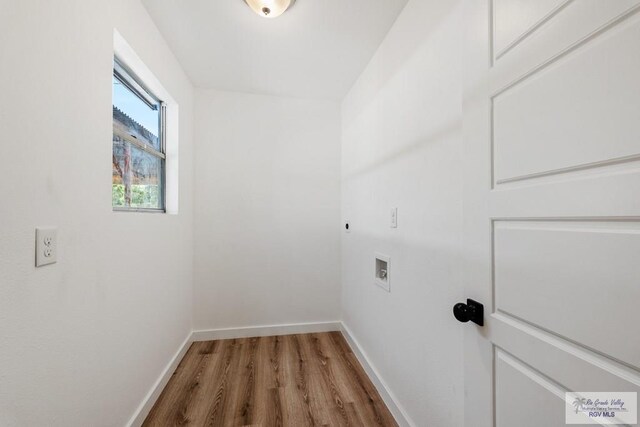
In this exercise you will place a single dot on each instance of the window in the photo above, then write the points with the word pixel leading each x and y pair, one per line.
pixel 138 178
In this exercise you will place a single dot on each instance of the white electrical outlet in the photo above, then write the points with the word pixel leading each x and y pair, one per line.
pixel 46 246
pixel 394 217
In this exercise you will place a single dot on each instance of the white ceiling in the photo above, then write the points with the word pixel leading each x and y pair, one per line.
pixel 316 49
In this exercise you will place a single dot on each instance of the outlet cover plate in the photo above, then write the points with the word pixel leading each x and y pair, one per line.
pixel 394 217
pixel 46 246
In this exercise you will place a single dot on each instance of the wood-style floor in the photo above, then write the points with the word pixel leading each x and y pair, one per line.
pixel 292 380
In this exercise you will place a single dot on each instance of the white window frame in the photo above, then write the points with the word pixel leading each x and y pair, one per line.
pixel 122 73
pixel 170 131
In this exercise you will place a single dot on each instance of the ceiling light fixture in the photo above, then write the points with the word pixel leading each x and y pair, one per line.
pixel 269 8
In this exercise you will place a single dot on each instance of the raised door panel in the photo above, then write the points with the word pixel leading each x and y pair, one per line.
pixel 524 398
pixel 576 279
pixel 513 20
pixel 581 111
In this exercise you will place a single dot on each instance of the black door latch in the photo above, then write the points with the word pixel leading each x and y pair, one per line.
pixel 472 310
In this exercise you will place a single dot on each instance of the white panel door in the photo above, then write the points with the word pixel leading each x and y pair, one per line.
pixel 552 205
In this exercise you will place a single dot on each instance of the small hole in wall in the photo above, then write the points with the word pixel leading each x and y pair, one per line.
pixel 347 227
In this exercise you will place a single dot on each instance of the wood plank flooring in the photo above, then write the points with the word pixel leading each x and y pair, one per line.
pixel 291 380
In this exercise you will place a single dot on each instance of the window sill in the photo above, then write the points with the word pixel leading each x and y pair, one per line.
pixel 140 210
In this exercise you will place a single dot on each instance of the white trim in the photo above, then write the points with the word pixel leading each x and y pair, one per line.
pixel 265 331
pixel 387 396
pixel 150 399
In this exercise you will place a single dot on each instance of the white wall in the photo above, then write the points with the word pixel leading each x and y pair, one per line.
pixel 267 248
pixel 82 341
pixel 401 131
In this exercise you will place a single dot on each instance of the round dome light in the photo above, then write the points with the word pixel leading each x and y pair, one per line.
pixel 269 8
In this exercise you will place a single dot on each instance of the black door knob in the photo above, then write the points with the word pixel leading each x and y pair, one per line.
pixel 471 311
pixel 460 312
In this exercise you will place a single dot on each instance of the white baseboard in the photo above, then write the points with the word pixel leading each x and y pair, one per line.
pixel 389 399
pixel 265 331
pixel 150 399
